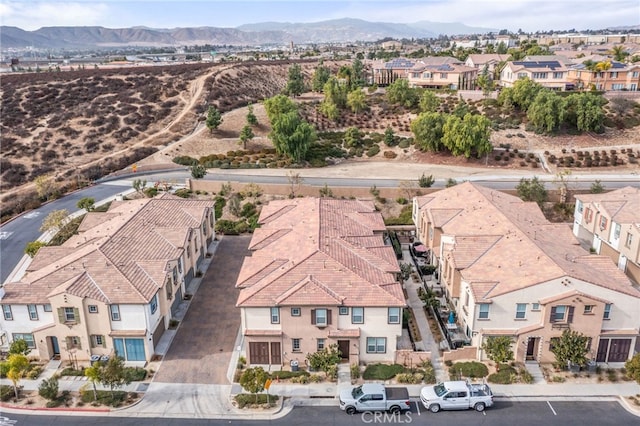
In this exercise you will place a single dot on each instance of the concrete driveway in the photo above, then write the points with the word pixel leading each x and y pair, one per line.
pixel 202 348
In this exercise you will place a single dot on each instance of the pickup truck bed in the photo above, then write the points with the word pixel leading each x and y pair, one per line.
pixel 397 393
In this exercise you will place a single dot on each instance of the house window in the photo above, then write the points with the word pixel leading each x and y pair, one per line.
pixel 320 317
pixel 521 310
pixel 97 340
pixel 616 231
pixel 617 86
pixel 47 307
pixel 466 298
pixel 635 74
pixel 588 309
pixel 557 75
pixel 343 310
pixel 73 342
pixel 588 215
pixel 154 304
pixel 180 265
pixel 69 315
pixel 579 206
pixel 320 344
pixel 295 345
pixel 175 275
pixel 295 312
pixel 115 312
pixel 483 311
pixel 522 75
pixel 393 316
pixel 6 310
pixel 27 337
pixel 559 313
pixel 535 306
pixel 629 239
pixel 33 312
pixel 443 75
pixel 93 309
pixel 376 345
pixel 539 75
pixel 614 74
pixel 275 315
pixel 129 349
pixel 357 315
pixel 607 311
pixel 603 223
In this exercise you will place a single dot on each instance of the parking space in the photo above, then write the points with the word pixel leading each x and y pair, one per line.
pixel 202 347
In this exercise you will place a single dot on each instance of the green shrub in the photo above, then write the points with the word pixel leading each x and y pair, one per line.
pixel 355 371
pixel 374 150
pixel 70 371
pixel 6 393
pixel 247 399
pixel 401 200
pixel 472 369
pixel 34 372
pixel 315 378
pixel 151 192
pixel 137 374
pixel 185 160
pixel 48 388
pixel 114 399
pixel 183 193
pixel 504 376
pixel 404 143
pixel 227 227
pixel 382 371
pixel 283 374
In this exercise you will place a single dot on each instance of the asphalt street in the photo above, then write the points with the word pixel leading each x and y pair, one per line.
pixel 504 413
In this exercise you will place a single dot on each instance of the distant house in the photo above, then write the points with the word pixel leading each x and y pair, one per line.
pixel 490 60
pixel 445 76
pixel 113 288
pixel 619 76
pixel 319 274
pixel 551 74
pixel 507 271
pixel 385 73
pixel 610 222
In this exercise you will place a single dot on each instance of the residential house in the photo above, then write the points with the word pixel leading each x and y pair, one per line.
pixel 319 274
pixel 551 74
pixel 488 60
pixel 619 76
pixel 507 271
pixel 112 288
pixel 385 73
pixel 610 222
pixel 445 76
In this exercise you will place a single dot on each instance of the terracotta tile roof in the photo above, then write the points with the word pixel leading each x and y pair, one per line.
pixel 312 251
pixel 527 249
pixel 125 264
pixel 570 293
pixel 621 205
pixel 529 329
pixel 483 58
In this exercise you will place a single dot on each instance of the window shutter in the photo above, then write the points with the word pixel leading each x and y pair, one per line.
pixel 570 316
pixel 104 342
pixel 328 316
pixel 61 315
pixel 79 343
pixel 313 317
pixel 69 342
pixel 76 315
pixel 553 314
pixel 92 341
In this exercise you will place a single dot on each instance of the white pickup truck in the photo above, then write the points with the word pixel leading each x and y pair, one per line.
pixel 458 395
pixel 374 397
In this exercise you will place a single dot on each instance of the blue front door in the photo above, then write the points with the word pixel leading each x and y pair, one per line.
pixel 54 346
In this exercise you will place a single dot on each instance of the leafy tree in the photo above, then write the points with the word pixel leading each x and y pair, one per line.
pixel 19 347
pixel 357 72
pixel 55 221
pixel 498 349
pixel 48 389
pixel 389 137
pixel 45 187
pixel 485 82
pixel 198 171
pixel 214 118
pixel 467 136
pixel 427 131
pixel 253 380
pixel 246 134
pixel 329 110
pixel 597 187
pixel 522 94
pixel 295 181
pixel 94 375
pixel 326 192
pixel 571 347
pixel 114 375
pixel 17 365
pixel 320 78
pixel 325 359
pixel 335 92
pixel 619 53
pixel 139 185
pixel 400 93
pixel 292 136
pixel 295 83
pixel 546 113
pixel 278 105
pixel 352 137
pixel 33 247
pixel 252 120
pixel 356 101
pixel 461 109
pixel 345 73
pixel 585 111
pixel 86 203
pixel 633 367
pixel 532 190
pixel 426 181
pixel 429 102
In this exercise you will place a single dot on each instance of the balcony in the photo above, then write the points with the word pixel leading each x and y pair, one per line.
pixel 560 325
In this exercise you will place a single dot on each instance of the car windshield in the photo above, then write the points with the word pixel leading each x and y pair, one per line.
pixel 356 392
pixel 440 389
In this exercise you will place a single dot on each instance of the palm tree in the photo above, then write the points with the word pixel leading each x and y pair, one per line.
pixel 603 67
pixel 618 52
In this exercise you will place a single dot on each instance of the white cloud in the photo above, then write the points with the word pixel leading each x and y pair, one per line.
pixel 34 15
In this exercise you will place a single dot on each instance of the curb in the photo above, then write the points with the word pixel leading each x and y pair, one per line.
pixel 55 409
pixel 627 406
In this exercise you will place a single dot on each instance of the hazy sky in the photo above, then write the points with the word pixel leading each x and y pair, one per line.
pixel 511 14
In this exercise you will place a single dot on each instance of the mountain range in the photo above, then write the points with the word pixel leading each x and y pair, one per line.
pixel 337 30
